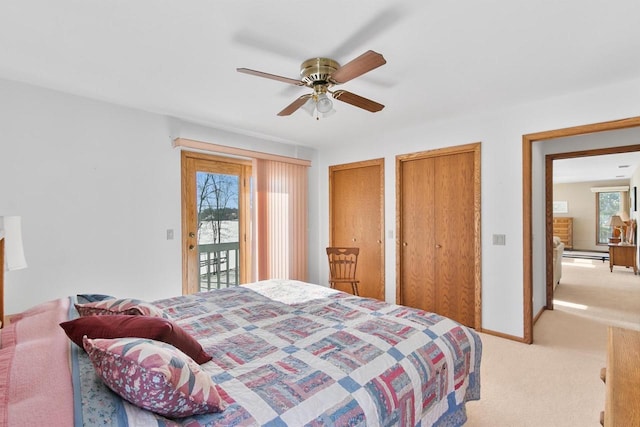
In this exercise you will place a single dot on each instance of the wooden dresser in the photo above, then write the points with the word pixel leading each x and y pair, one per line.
pixel 563 228
pixel 623 255
pixel 622 379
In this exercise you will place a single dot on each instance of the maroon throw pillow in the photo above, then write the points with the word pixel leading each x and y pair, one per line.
pixel 123 326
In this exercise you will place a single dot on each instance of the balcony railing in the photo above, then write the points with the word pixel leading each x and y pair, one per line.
pixel 219 264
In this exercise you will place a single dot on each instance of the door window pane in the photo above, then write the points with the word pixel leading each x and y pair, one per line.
pixel 218 229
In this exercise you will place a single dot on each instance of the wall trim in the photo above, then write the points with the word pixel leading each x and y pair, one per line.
pixel 502 335
pixel 234 151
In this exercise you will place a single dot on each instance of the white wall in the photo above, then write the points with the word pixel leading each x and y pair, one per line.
pixel 500 133
pixel 97 186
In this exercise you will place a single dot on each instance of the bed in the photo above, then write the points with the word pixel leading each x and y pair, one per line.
pixel 283 353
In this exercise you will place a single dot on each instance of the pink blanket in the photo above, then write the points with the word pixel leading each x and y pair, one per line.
pixel 35 377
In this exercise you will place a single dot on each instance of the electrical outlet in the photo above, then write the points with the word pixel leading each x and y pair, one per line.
pixel 499 239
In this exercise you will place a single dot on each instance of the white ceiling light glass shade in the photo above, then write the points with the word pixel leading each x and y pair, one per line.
pixel 324 104
pixel 310 106
pixel 319 105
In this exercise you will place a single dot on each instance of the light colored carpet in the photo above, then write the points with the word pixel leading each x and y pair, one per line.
pixel 555 382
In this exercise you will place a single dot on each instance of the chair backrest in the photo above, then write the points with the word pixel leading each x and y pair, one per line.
pixel 342 263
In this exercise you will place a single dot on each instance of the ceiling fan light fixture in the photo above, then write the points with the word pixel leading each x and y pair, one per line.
pixel 324 104
pixel 322 74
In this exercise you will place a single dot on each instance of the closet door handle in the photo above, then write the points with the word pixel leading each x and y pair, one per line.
pixel 405 244
pixel 438 246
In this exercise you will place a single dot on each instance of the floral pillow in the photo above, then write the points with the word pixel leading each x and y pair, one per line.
pixel 122 326
pixel 154 376
pixel 119 306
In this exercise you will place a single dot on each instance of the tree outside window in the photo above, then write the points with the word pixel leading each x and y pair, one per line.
pixel 217 200
pixel 609 203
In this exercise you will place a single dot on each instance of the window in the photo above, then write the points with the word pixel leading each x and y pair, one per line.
pixel 608 203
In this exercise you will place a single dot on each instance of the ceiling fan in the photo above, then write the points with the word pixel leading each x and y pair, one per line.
pixel 321 74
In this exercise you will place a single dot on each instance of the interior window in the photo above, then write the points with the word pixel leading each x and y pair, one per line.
pixel 608 203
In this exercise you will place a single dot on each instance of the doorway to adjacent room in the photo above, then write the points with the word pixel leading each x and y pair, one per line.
pixel 528 179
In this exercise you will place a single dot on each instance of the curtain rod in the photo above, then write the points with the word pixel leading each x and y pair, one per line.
pixel 609 189
pixel 216 148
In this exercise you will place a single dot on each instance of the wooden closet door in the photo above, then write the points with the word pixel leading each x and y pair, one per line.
pixel 453 226
pixel 438 230
pixel 417 271
pixel 356 218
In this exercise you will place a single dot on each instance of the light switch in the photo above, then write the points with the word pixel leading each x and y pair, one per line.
pixel 499 239
pixel 170 234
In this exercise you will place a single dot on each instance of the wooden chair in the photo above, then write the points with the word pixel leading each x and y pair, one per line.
pixel 342 266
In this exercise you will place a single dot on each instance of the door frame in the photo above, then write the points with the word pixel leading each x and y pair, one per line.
pixel 527 204
pixel 188 211
pixel 477 240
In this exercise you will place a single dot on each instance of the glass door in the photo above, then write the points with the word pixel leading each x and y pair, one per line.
pixel 215 222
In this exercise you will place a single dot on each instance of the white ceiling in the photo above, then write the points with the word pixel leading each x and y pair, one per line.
pixel 609 167
pixel 443 58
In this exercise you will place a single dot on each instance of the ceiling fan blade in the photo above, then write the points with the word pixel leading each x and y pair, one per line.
pixel 293 107
pixel 382 21
pixel 282 47
pixel 357 67
pixel 270 76
pixel 357 101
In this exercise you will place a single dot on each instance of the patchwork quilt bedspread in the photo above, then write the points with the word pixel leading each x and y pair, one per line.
pixel 288 353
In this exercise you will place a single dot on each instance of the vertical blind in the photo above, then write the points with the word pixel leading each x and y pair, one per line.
pixel 281 220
